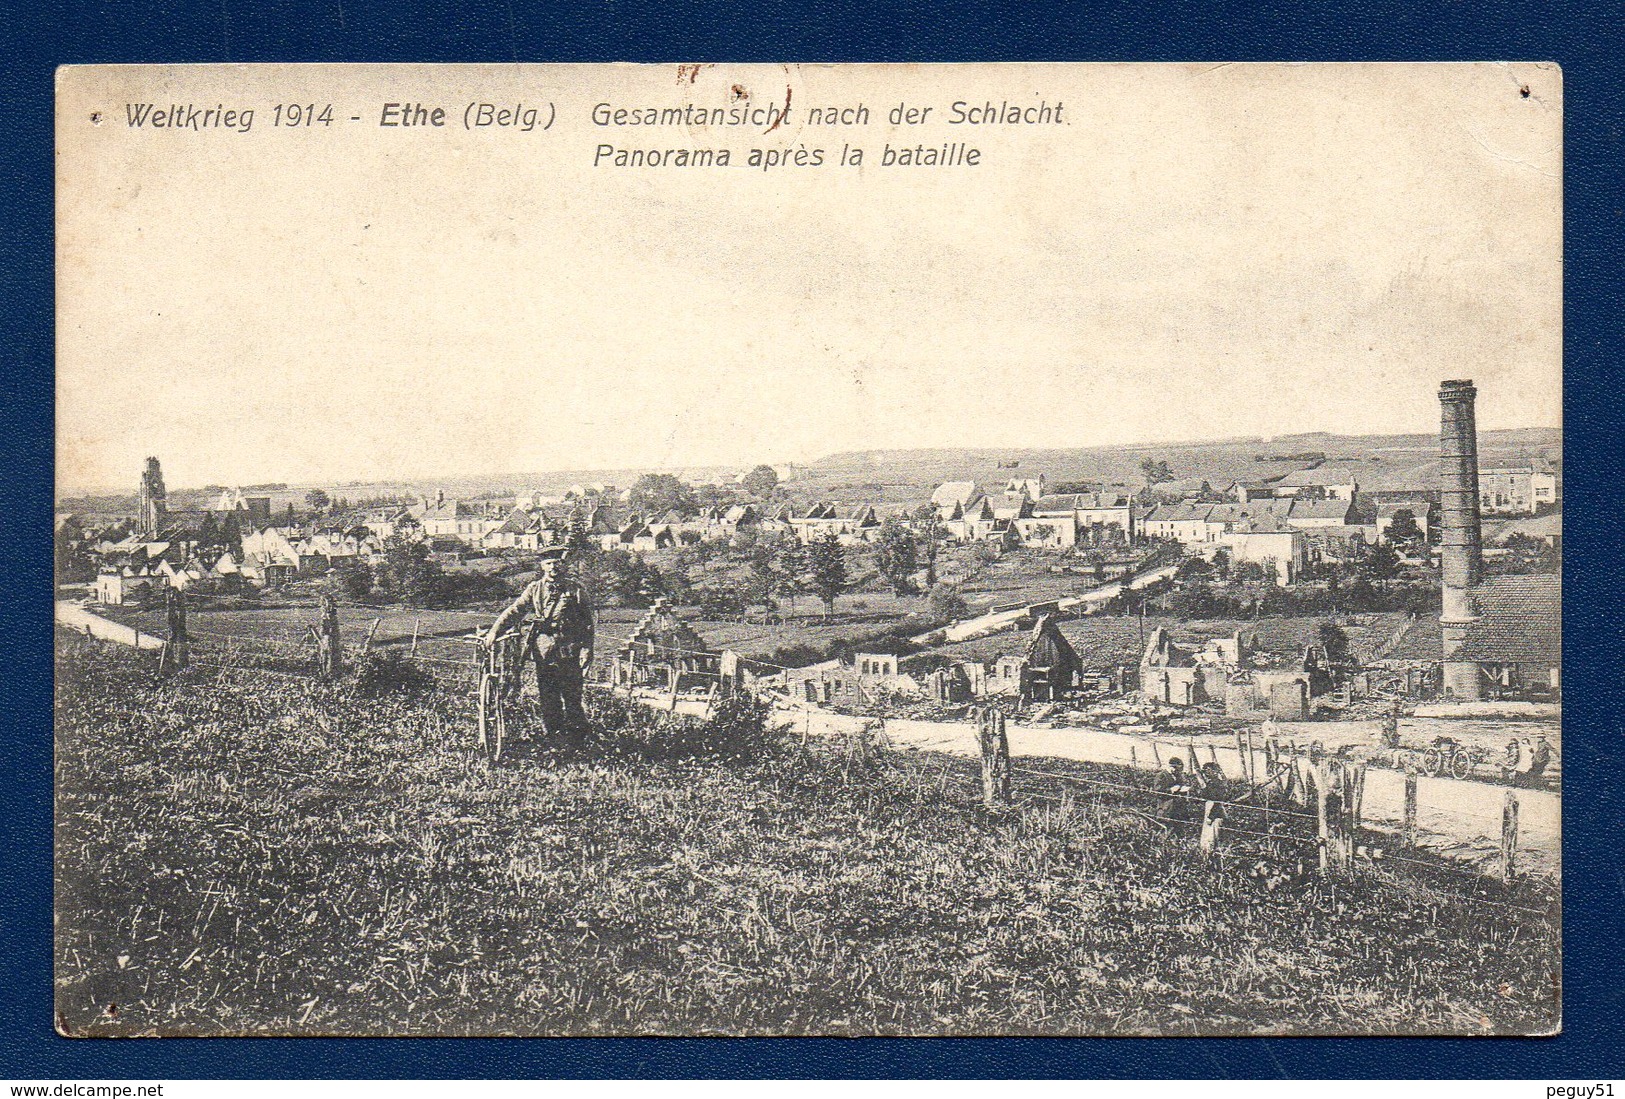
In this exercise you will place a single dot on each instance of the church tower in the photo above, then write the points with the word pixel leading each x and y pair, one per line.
pixel 154 506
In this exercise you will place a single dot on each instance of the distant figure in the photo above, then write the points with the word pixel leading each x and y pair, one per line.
pixel 1515 762
pixel 1215 786
pixel 1390 727
pixel 559 637
pixel 1540 757
pixel 1176 806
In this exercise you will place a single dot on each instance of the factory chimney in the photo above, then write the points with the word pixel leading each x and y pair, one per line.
pixel 1460 551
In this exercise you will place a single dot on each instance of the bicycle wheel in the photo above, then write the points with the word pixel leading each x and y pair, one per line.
pixel 493 722
pixel 1432 761
pixel 1461 765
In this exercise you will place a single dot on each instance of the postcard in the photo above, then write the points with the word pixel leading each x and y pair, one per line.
pixel 782 549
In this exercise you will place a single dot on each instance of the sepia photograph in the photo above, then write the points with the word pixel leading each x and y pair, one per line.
pixel 797 550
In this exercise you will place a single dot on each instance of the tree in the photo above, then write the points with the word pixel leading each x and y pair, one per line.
pixel 760 482
pixel 1382 563
pixel 791 567
pixel 1156 471
pixel 1334 642
pixel 406 574
pixel 927 522
pixel 354 579
pixel 231 535
pixel 1403 531
pixel 1193 568
pixel 654 494
pixel 896 556
pixel 945 602
pixel 827 567
pixel 761 581
pixel 317 500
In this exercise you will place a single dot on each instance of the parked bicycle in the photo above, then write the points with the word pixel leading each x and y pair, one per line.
pixel 499 691
pixel 1449 757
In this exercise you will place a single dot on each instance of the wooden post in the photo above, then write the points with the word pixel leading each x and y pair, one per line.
pixel 1133 758
pixel 1410 802
pixel 175 653
pixel 1212 817
pixel 329 643
pixel 1509 835
pixel 1333 816
pixel 995 759
pixel 1156 756
pixel 366 646
pixel 414 637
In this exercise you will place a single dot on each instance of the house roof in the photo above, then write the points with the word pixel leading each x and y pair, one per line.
pixel 1180 487
pixel 1539 526
pixel 1317 509
pixel 953 492
pixel 1418 509
pixel 1264 524
pixel 1180 513
pixel 1252 511
pixel 1320 476
pixel 1048 647
pixel 1519 621
pixel 1057 504
pixel 450 509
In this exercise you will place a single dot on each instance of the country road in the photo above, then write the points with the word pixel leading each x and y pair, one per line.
pixel 1457 818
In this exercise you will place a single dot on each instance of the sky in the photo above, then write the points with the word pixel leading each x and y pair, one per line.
pixel 1195 252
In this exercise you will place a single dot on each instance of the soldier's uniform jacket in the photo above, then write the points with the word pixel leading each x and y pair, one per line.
pixel 560 629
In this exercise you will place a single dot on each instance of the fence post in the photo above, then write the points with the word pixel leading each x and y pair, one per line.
pixel 1410 802
pixel 329 644
pixel 1333 814
pixel 175 654
pixel 995 759
pixel 1509 835
pixel 414 637
pixel 366 646
pixel 1212 817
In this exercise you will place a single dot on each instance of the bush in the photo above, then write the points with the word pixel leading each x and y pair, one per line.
pixel 737 730
pixel 389 672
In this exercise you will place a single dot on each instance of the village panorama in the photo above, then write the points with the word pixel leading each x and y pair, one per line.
pixel 1251 736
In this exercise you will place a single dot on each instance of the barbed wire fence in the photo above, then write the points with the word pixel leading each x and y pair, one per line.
pixel 1306 809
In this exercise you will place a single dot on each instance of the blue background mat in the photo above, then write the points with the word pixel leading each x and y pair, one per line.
pixel 1584 38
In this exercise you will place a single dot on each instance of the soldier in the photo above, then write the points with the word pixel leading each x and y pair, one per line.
pixel 1175 806
pixel 559 637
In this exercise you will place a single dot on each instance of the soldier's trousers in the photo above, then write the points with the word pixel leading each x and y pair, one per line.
pixel 558 687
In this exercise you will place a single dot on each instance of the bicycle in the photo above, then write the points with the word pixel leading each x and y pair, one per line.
pixel 1449 757
pixel 499 681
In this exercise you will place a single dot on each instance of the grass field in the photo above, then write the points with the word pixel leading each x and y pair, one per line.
pixel 247 853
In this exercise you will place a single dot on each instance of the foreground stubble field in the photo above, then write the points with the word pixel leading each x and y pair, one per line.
pixel 258 854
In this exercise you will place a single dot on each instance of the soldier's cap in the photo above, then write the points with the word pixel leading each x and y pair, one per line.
pixel 554 553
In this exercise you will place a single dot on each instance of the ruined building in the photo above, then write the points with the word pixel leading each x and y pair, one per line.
pixel 153 507
pixel 1501 634
pixel 664 652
